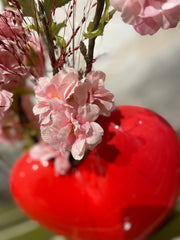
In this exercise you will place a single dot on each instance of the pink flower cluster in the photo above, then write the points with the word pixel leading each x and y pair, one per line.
pixel 10 25
pixel 16 47
pixel 68 108
pixel 148 16
pixel 12 41
pixel 20 55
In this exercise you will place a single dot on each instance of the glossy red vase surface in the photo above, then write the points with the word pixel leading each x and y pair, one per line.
pixel 123 189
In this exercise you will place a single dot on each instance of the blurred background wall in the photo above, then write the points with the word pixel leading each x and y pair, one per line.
pixel 142 70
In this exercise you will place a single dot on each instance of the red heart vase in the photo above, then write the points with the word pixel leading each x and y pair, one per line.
pixel 122 190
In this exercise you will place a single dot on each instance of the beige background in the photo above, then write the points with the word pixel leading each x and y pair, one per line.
pixel 143 70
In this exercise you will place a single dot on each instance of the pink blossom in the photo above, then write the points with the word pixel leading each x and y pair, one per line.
pixel 98 95
pixel 88 136
pixel 34 57
pixel 68 108
pixel 148 16
pixel 10 24
pixel 12 69
pixel 13 40
pixel 59 133
pixel 5 102
pixel 55 92
pixel 44 152
pixel 73 131
pixel 61 86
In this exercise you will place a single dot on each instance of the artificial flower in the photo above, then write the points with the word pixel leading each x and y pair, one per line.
pixel 68 108
pixel 43 152
pixel 11 25
pixel 88 136
pixel 52 93
pixel 98 95
pixel 59 133
pixel 73 131
pixel 148 16
pixel 12 69
pixel 13 40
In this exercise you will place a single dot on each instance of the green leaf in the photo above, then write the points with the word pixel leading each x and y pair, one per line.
pixel 34 27
pixel 61 3
pixel 111 13
pixel 48 5
pixel 29 7
pixel 60 42
pixel 98 32
pixel 104 20
pixel 55 28
pixel 89 27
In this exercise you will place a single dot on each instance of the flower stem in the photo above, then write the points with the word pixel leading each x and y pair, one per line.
pixel 95 25
pixel 30 134
pixel 49 40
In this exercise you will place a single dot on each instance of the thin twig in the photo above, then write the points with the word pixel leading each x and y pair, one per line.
pixel 50 44
pixel 73 40
pixel 95 25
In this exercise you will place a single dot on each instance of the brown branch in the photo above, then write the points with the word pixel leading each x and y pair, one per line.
pixel 49 44
pixel 95 25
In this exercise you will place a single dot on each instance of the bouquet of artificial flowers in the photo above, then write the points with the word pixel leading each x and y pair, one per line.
pixel 61 114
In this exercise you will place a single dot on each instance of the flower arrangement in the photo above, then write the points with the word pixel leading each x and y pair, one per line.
pixel 56 113
pixel 70 102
